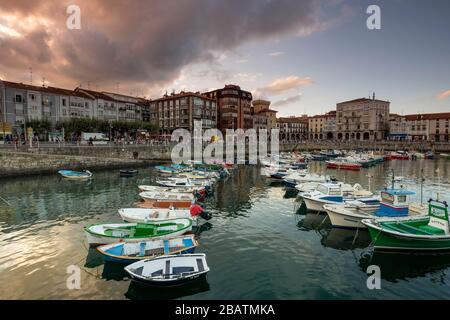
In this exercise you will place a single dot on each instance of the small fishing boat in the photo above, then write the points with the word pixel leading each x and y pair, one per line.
pixel 75 175
pixel 128 172
pixel 166 170
pixel 130 252
pixel 148 215
pixel 194 190
pixel 400 155
pixel 429 155
pixel 169 270
pixel 183 182
pixel 332 193
pixel 421 233
pixel 343 165
pixel 394 203
pixel 98 234
pixel 168 199
pixel 144 215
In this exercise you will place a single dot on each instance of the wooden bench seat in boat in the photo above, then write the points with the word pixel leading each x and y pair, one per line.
pixel 422 230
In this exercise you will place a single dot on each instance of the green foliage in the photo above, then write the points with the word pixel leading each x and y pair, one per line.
pixel 40 126
pixel 79 125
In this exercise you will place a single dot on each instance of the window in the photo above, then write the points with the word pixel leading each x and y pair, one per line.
pixel 18 98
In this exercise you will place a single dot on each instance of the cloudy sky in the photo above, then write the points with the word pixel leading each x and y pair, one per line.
pixel 303 55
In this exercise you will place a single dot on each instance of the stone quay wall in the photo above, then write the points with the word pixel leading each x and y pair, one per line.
pixel 27 163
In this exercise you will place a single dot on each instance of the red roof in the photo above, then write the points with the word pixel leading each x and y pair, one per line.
pixel 428 116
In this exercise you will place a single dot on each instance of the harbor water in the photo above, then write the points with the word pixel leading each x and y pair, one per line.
pixel 258 245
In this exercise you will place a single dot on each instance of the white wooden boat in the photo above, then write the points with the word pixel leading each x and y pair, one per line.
pixel 332 193
pixel 144 215
pixel 98 234
pixel 75 175
pixel 169 270
pixel 145 188
pixel 168 199
pixel 394 203
pixel 183 182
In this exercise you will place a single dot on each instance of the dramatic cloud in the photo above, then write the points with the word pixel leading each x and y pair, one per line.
pixel 282 85
pixel 443 95
pixel 139 43
pixel 288 101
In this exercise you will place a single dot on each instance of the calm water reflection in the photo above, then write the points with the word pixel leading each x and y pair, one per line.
pixel 258 246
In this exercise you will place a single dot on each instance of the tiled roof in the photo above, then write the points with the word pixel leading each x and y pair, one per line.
pixel 362 100
pixel 53 90
pixel 428 116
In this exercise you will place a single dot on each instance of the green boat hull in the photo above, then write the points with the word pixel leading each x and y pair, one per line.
pixel 386 241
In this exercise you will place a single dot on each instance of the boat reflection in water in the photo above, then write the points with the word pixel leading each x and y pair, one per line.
pixel 137 291
pixel 396 266
pixel 114 271
pixel 290 193
pixel 344 239
pixel 314 221
pixel 93 259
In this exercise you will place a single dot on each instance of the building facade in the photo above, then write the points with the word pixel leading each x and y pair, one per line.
pixel 428 127
pixel 263 107
pixel 234 107
pixel 293 129
pixel 397 128
pixel 362 119
pixel 182 110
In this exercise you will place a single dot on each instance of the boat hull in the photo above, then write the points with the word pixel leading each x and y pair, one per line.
pixel 173 283
pixel 345 221
pixel 115 259
pixel 386 241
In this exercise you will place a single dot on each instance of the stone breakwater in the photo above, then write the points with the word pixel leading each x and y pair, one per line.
pixel 24 163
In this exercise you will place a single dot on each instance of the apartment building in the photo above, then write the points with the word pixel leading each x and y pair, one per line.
pixel 181 110
pixel 322 126
pixel 428 126
pixel 262 107
pixel 234 107
pixel 293 129
pixel 362 119
pixel 397 127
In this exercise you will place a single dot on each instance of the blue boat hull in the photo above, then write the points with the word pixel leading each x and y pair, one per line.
pixel 109 258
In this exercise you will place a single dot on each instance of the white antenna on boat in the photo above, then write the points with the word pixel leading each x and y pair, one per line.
pixel 421 186
pixel 439 183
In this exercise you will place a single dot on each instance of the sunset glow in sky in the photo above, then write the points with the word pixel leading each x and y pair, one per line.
pixel 303 55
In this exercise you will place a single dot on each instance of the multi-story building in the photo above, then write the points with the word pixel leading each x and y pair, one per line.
pixel 181 110
pixel 428 126
pixel 105 106
pixel 234 107
pixel 329 127
pixel 293 129
pixel 263 107
pixel 129 108
pixel 24 102
pixel 397 127
pixel 362 119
